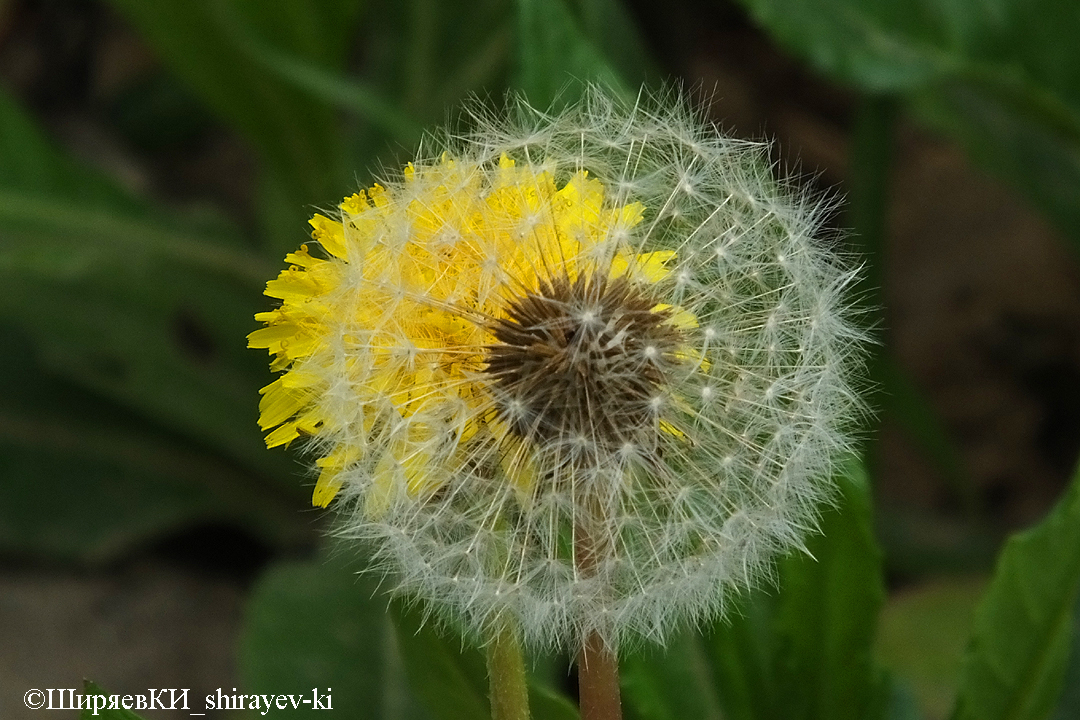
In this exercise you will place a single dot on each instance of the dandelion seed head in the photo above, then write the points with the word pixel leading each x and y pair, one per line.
pixel 585 369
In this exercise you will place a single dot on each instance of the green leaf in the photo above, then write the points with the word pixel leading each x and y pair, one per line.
pixel 154 336
pixel 58 217
pixel 51 234
pixel 1002 77
pixel 82 480
pixel 881 46
pixel 923 633
pixel 323 83
pixel 827 616
pixel 90 688
pixel 320 625
pixel 428 55
pixel 744 653
pixel 548 704
pixel 197 39
pixel 806 653
pixel 612 29
pixel 1024 625
pixel 1013 46
pixel 555 57
pixel 449 676
pixel 900 702
pixel 1069 703
pixel 422 58
pixel 208 45
pixel 669 684
pixel 129 403
pixel 146 308
pixel 33 166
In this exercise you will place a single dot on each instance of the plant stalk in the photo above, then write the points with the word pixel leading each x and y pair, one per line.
pixel 598 681
pixel 506 676
pixel 598 666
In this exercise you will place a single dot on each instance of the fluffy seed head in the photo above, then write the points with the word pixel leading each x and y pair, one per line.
pixel 590 370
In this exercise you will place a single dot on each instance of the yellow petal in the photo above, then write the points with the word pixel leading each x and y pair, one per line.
pixel 282 435
pixel 292 285
pixel 270 337
pixel 651 266
pixel 330 235
pixel 326 488
pixel 278 404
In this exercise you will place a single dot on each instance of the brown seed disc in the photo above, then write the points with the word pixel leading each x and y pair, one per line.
pixel 582 361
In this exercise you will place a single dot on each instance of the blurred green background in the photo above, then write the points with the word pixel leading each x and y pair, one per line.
pixel 158 159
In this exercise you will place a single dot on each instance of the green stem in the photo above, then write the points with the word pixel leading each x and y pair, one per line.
pixel 506 676
pixel 872 144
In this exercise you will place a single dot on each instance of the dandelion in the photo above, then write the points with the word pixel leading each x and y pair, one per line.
pixel 589 371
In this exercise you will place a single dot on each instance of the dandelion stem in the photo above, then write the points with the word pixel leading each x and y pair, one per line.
pixel 506 676
pixel 598 667
pixel 598 681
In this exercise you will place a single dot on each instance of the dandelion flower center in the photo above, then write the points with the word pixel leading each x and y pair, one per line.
pixel 581 358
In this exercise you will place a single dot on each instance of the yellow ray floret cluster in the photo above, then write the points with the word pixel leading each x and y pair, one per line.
pixel 381 332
